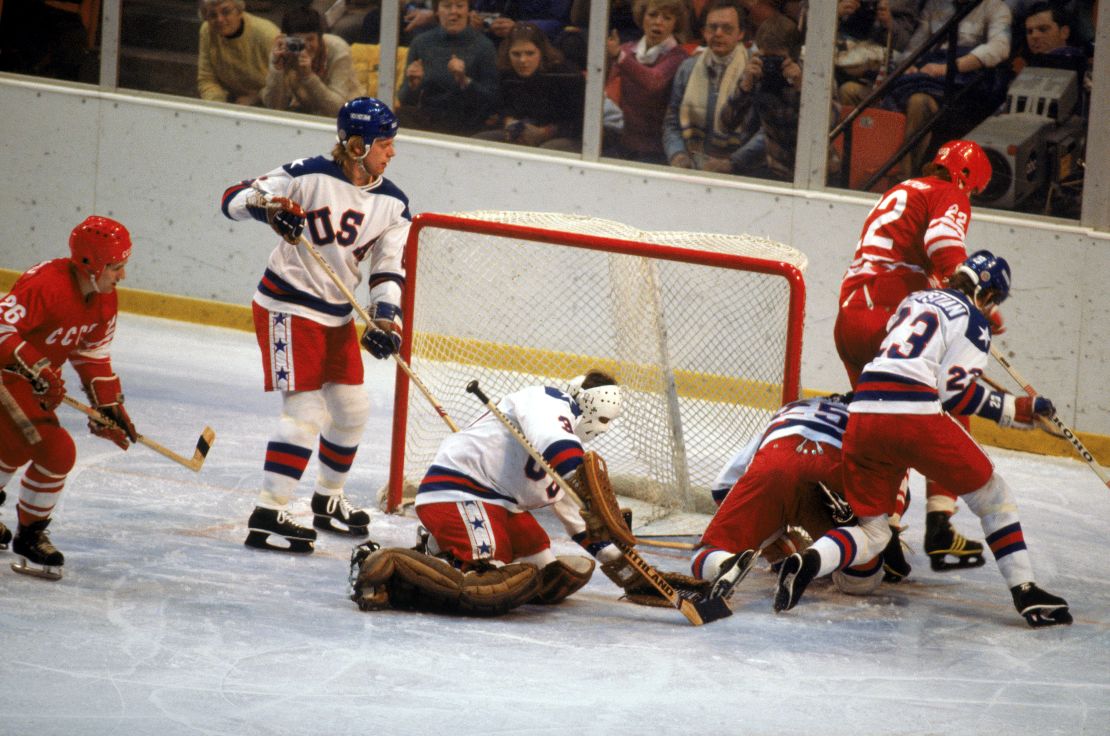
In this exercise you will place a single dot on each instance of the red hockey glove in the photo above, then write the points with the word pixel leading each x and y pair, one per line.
pixel 46 382
pixel 997 323
pixel 107 396
pixel 1028 407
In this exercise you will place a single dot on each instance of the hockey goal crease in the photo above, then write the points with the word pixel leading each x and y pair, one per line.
pixel 702 331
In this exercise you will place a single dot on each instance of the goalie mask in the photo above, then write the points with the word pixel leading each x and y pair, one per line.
pixel 600 405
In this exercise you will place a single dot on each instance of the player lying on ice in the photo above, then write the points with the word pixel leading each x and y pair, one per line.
pixel 60 310
pixel 486 552
pixel 788 478
pixel 935 349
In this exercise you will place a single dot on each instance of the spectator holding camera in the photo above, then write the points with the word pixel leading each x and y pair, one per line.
pixel 770 92
pixel 645 70
pixel 450 83
pixel 310 71
pixel 496 18
pixel 540 95
pixel 234 52
pixel 694 136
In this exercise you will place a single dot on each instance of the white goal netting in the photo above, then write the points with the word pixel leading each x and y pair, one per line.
pixel 703 331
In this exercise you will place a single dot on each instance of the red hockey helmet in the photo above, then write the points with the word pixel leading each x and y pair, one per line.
pixel 97 242
pixel 967 164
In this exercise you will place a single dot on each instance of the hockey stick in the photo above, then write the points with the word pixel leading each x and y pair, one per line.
pixel 204 442
pixel 698 613
pixel 999 387
pixel 1069 435
pixel 370 323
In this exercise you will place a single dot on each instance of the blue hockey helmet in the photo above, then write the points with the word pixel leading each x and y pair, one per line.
pixel 988 272
pixel 366 117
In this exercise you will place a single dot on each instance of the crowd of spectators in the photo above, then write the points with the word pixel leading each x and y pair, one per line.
pixel 709 85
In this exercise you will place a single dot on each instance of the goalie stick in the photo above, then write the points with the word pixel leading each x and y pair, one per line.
pixel 319 258
pixel 697 612
pixel 204 442
pixel 1064 429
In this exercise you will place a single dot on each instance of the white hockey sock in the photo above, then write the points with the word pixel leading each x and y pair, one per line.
pixel 711 564
pixel 290 447
pixel 849 545
pixel 994 505
pixel 38 493
pixel 541 559
pixel 348 409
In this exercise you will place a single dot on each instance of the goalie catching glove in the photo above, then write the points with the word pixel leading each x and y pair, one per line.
pixel 46 382
pixel 409 580
pixel 383 337
pixel 106 396
pixel 285 216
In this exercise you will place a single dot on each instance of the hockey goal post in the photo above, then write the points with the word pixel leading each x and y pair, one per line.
pixel 703 332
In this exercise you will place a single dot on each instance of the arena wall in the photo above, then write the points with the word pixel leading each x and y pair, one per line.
pixel 160 164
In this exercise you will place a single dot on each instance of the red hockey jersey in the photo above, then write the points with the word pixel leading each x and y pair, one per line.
pixel 46 308
pixel 919 225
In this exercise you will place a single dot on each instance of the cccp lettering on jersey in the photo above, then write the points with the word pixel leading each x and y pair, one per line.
pixel 951 306
pixel 70 336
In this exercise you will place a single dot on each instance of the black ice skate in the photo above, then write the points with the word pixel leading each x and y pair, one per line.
pixel 38 557
pixel 335 514
pixel 265 523
pixel 5 536
pixel 946 547
pixel 732 571
pixel 795 574
pixel 895 566
pixel 1038 607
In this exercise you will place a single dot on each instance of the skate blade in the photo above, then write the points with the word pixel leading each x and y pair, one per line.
pixel 46 572
pixel 261 540
pixel 724 588
pixel 940 562
pixel 328 524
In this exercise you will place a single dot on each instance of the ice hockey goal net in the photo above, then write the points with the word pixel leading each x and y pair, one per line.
pixel 703 332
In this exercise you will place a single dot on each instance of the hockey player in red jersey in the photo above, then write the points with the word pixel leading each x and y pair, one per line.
pixel 913 239
pixel 926 368
pixel 59 310
pixel 347 208
pixel 787 476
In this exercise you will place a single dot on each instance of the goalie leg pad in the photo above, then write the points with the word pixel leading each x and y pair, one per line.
pixel 493 591
pixel 561 578
pixel 406 579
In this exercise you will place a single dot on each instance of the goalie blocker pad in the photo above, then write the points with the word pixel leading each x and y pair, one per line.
pixel 409 580
pixel 602 514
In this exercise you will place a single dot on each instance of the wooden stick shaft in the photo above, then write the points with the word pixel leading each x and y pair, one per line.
pixel 663 544
pixel 319 258
pixel 1065 430
pixel 193 463
pixel 650 573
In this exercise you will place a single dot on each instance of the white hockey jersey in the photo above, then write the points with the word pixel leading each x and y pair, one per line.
pixel 484 461
pixel 347 224
pixel 936 347
pixel 817 419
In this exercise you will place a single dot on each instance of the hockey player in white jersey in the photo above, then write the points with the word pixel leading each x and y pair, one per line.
pixel 936 347
pixel 476 497
pixel 304 323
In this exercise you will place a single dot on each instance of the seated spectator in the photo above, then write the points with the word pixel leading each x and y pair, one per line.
pixel 694 136
pixel 496 17
pixel 450 75
pixel 769 95
pixel 417 16
pixel 983 42
pixel 1047 36
pixel 644 70
pixel 541 96
pixel 234 53
pixel 868 32
pixel 310 71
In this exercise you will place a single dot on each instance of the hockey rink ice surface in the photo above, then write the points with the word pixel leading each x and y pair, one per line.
pixel 166 624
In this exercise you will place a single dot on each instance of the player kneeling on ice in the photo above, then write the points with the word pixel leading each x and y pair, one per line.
pixel 303 318
pixel 785 481
pixel 486 552
pixel 60 310
pixel 936 347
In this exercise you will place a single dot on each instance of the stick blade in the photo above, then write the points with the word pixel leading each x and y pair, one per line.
pixel 204 442
pixel 710 610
